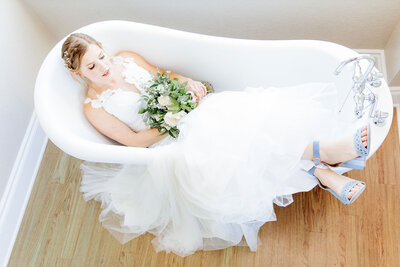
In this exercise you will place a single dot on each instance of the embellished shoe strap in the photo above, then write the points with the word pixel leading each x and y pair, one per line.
pixel 346 189
pixel 361 150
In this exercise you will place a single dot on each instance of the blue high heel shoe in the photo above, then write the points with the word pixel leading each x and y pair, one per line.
pixel 362 151
pixel 346 188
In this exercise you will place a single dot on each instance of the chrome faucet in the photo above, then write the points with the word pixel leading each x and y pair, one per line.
pixel 372 78
pixel 359 82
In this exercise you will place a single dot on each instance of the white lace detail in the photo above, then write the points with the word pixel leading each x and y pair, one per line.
pixel 117 60
pixel 124 104
pixel 133 73
pixel 102 98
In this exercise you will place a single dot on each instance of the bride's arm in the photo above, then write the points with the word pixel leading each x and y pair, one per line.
pixel 146 65
pixel 117 130
pixel 196 87
pixel 148 137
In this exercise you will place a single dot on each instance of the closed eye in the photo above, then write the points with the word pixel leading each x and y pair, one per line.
pixel 102 57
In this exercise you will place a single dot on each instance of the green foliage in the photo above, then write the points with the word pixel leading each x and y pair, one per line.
pixel 154 112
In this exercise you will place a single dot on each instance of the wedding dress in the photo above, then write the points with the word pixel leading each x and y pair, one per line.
pixel 214 186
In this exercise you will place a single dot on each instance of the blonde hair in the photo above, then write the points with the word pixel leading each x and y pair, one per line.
pixel 73 49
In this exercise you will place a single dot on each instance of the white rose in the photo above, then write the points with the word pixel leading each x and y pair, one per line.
pixel 173 119
pixel 194 98
pixel 157 117
pixel 160 88
pixel 164 100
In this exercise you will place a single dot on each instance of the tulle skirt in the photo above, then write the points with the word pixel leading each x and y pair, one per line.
pixel 214 186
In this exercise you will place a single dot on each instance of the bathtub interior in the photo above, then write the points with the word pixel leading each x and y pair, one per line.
pixel 229 64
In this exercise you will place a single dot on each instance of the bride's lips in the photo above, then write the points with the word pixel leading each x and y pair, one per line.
pixel 108 72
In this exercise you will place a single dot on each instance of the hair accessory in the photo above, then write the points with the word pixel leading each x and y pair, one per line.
pixel 67 59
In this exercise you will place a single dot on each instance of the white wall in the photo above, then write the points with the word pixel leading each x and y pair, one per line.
pixel 24 43
pixel 355 24
pixel 392 55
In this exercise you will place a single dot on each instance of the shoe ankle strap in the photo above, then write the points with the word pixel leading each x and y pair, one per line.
pixel 316 157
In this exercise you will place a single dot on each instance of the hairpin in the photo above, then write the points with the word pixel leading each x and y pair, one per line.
pixel 67 59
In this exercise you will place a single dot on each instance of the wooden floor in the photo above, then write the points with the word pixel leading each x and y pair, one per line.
pixel 61 229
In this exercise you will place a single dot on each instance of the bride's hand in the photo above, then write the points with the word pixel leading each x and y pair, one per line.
pixel 197 88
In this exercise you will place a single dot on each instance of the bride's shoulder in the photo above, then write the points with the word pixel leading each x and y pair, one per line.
pixel 119 60
pixel 129 56
pixel 125 56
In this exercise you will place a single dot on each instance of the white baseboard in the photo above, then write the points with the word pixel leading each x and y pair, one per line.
pixel 18 189
pixel 395 90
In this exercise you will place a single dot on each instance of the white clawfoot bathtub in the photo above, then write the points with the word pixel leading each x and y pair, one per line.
pixel 229 64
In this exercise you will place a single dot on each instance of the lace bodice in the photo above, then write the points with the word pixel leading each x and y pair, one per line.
pixel 124 104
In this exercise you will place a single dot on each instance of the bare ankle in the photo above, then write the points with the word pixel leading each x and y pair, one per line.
pixel 323 175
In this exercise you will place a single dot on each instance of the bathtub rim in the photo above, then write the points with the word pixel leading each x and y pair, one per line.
pixel 82 148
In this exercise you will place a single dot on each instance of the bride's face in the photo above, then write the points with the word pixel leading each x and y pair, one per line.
pixel 96 65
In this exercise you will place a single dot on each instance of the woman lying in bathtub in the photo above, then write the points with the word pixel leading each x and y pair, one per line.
pixel 237 153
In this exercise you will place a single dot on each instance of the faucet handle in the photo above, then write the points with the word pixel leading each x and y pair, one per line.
pixel 378 74
pixel 379 118
pixel 375 75
pixel 374 78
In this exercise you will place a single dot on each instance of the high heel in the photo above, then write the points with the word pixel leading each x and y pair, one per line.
pixel 346 188
pixel 362 151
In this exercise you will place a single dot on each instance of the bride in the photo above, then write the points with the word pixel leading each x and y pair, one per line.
pixel 237 153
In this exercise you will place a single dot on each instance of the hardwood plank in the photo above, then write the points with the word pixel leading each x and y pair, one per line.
pixel 60 229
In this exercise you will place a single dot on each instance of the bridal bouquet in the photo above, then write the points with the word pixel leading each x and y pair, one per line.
pixel 165 102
